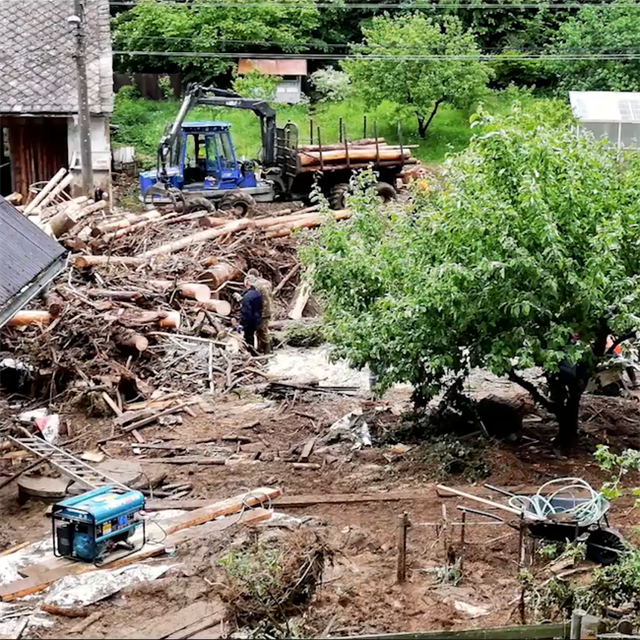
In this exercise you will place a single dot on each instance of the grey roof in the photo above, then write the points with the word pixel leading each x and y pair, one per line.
pixel 37 67
pixel 29 259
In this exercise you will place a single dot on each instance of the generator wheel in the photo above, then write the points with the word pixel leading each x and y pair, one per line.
pixel 386 192
pixel 241 204
pixel 605 546
pixel 338 195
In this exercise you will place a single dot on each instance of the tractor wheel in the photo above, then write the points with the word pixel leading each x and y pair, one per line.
pixel 241 204
pixel 605 546
pixel 198 203
pixel 385 192
pixel 338 195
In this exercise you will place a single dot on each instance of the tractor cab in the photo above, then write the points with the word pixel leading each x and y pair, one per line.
pixel 202 159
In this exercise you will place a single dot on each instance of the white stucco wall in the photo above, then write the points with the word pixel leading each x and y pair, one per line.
pixel 100 151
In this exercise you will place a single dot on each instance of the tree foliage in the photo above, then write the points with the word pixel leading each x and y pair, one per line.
pixel 256 85
pixel 603 30
pixel 420 85
pixel 529 241
pixel 211 28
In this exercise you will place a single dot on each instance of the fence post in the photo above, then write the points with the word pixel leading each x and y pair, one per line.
pixel 403 523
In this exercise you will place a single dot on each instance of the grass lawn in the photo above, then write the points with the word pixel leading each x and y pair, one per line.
pixel 141 123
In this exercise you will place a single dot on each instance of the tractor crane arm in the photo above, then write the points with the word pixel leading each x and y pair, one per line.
pixel 196 95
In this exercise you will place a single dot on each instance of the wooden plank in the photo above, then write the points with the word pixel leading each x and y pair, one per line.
pixel 27 586
pixel 306 450
pixel 175 622
pixel 532 632
pixel 206 622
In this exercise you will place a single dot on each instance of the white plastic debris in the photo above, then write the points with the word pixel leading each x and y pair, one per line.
pixel 352 427
pixel 27 417
pixel 49 427
pixel 87 588
pixel 33 554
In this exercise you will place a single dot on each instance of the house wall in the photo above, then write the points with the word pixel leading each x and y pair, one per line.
pixel 100 151
pixel 289 91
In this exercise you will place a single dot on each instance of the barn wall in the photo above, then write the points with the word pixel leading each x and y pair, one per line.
pixel 100 151
pixel 38 149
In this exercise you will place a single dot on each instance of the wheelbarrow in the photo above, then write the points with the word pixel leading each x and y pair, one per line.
pixel 558 515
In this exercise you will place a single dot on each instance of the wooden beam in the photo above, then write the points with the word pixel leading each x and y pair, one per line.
pixel 532 632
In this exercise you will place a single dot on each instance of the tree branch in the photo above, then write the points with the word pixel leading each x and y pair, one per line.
pixel 532 389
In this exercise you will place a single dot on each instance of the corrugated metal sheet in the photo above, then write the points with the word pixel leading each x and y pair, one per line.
pixel 273 67
pixel 605 106
pixel 38 149
pixel 29 259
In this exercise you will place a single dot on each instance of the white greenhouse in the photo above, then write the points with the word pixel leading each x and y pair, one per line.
pixel 609 114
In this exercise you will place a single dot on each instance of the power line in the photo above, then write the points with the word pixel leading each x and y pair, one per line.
pixel 423 57
pixel 345 45
pixel 324 4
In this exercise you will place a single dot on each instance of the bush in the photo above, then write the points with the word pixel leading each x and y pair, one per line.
pixel 331 85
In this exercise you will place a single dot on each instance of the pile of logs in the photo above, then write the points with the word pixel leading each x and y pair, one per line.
pixel 369 150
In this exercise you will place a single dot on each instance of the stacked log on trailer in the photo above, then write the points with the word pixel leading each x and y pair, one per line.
pixel 148 299
pixel 354 154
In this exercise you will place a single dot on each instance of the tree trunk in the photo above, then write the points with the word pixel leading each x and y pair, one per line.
pixel 424 125
pixel 565 391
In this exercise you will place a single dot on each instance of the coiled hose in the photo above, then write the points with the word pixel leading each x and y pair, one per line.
pixel 584 512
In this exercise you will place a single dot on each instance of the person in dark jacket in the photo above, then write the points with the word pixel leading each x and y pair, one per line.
pixel 251 314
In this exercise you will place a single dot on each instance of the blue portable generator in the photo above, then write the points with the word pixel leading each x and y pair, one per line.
pixel 89 526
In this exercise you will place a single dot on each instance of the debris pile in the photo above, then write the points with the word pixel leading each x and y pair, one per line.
pixel 148 299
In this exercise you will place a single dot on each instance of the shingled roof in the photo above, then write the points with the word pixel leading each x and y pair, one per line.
pixel 37 67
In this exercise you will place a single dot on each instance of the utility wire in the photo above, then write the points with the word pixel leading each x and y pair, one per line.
pixel 345 45
pixel 329 56
pixel 408 6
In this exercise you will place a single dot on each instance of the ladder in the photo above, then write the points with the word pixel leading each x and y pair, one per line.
pixel 67 464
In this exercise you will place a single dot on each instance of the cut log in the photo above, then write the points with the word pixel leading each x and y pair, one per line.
pixel 61 222
pixel 94 261
pixel 119 233
pixel 192 290
pixel 45 191
pixel 128 220
pixel 201 236
pixel 365 142
pixel 14 198
pixel 132 318
pixel 23 318
pixel 358 164
pixel 302 297
pixel 315 220
pixel 55 304
pixel 221 307
pixel 209 222
pixel 132 342
pixel 57 190
pixel 223 272
pixel 356 154
pixel 95 207
pixel 127 296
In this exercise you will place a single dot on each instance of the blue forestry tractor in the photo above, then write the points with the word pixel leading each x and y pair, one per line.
pixel 198 160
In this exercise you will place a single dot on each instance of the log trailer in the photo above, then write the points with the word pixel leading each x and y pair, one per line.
pixel 198 159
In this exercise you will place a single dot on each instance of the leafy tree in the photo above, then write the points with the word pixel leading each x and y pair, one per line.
pixel 211 28
pixel 418 84
pixel 603 30
pixel 256 85
pixel 526 255
pixel 331 85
